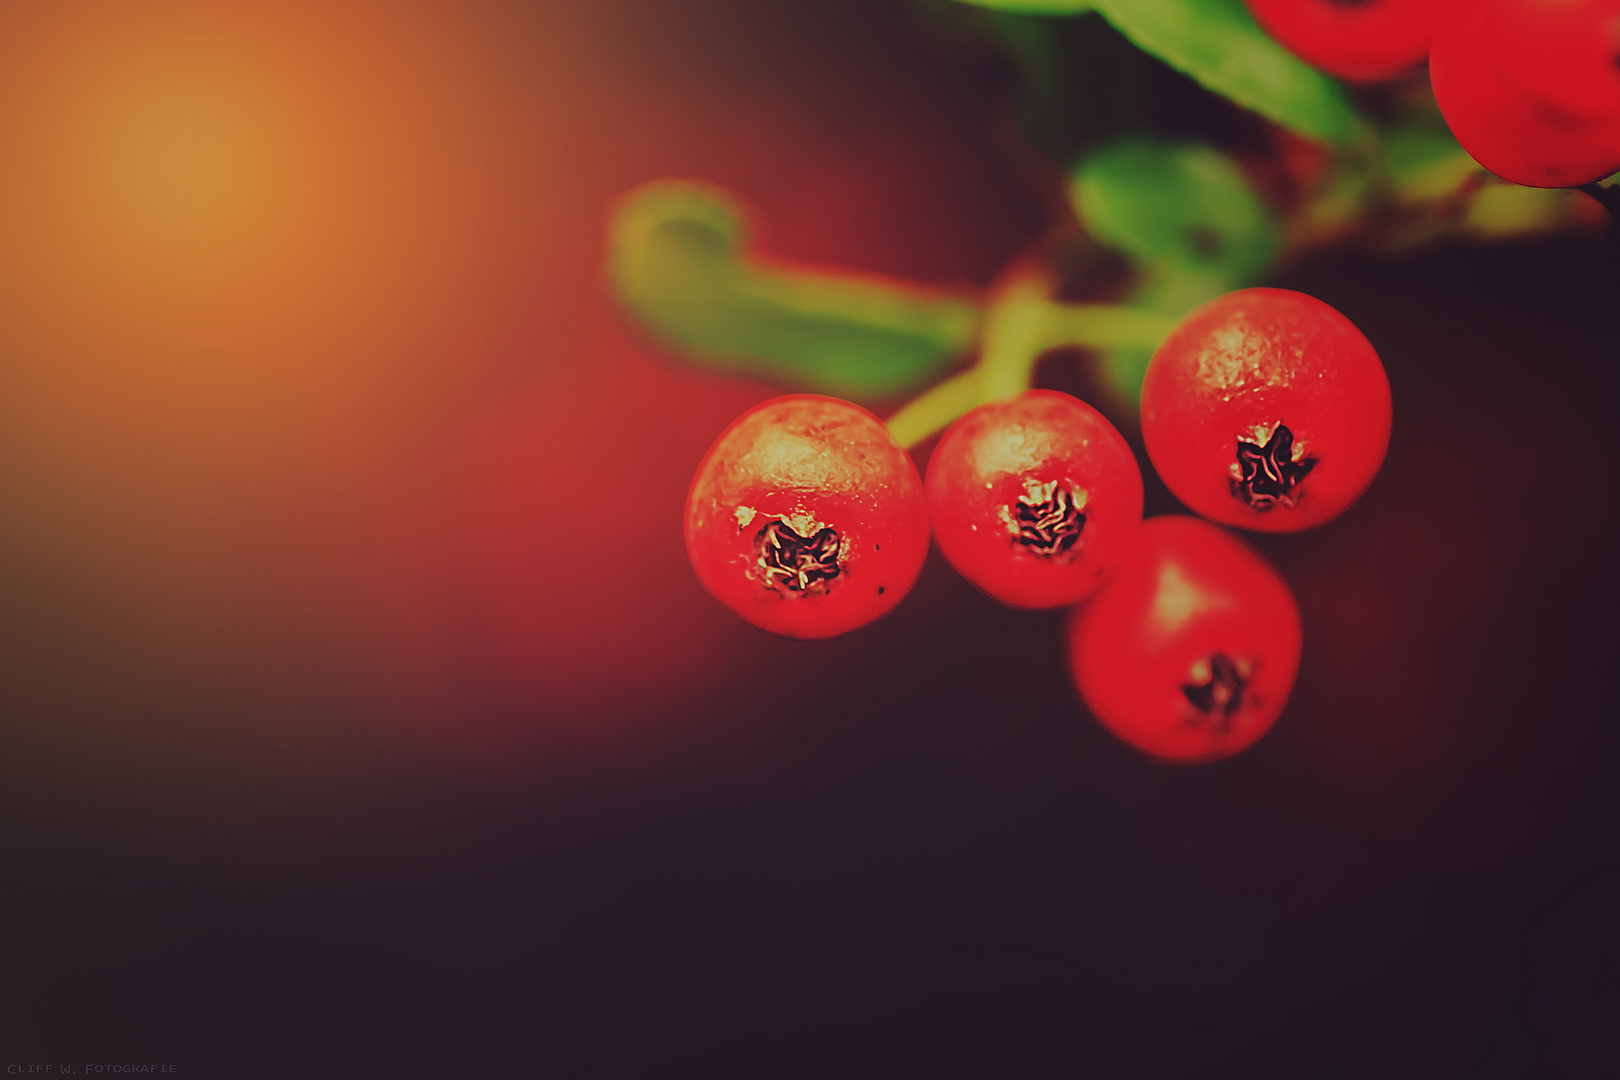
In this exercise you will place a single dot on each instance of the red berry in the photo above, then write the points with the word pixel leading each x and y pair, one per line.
pixel 807 518
pixel 1266 409
pixel 1034 499
pixel 1531 88
pixel 1360 40
pixel 1190 651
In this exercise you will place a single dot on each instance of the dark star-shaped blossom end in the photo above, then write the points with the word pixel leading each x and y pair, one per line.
pixel 1269 474
pixel 792 563
pixel 1047 520
pixel 1218 689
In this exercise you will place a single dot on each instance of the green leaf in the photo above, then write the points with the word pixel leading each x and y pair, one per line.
pixel 1184 207
pixel 677 263
pixel 1218 43
pixel 1425 163
pixel 1189 219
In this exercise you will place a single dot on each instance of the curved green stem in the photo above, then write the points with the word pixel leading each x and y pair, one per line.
pixel 1023 323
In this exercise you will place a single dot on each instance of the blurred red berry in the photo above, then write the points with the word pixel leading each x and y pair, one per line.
pixel 1266 409
pixel 1035 500
pixel 1531 88
pixel 1359 40
pixel 1189 652
pixel 806 518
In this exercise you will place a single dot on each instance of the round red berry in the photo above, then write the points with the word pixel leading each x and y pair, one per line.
pixel 806 518
pixel 1266 409
pixel 1190 651
pixel 1035 499
pixel 1359 40
pixel 1531 88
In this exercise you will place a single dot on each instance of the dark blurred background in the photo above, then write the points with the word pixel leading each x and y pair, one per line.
pixel 359 715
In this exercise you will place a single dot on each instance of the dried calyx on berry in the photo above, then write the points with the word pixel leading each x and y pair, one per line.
pixel 1219 688
pixel 1270 469
pixel 793 563
pixel 1047 519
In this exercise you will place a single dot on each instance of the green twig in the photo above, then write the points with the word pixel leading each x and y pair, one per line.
pixel 1022 323
pixel 936 407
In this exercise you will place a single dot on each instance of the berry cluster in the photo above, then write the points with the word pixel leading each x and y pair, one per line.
pixel 1530 88
pixel 1264 409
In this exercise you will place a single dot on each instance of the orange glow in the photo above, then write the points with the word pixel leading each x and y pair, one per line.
pixel 310 394
pixel 254 261
pixel 262 178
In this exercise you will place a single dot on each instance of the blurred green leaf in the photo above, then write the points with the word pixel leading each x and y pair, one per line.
pixel 1184 207
pixel 1425 162
pixel 1083 82
pixel 1503 211
pixel 1218 43
pixel 1338 205
pixel 676 262
pixel 1189 219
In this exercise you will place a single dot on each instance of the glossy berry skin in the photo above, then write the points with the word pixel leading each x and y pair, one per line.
pixel 1359 40
pixel 1266 409
pixel 1531 88
pixel 1035 499
pixel 1190 651
pixel 806 518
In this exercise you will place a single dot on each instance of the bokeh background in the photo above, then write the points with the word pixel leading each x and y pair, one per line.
pixel 359 714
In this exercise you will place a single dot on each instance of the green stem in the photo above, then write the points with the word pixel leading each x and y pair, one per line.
pixel 936 407
pixel 1023 323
